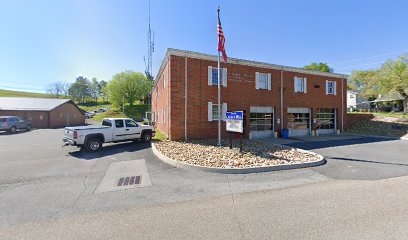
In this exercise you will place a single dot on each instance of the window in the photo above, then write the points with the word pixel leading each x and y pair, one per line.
pixel 298 121
pixel 107 123
pixel 215 76
pixel 215 114
pixel 262 81
pixel 60 115
pixel 300 84
pixel 330 87
pixel 261 121
pixel 164 117
pixel 164 79
pixel 130 123
pixel 119 123
pixel 41 117
pixel 325 118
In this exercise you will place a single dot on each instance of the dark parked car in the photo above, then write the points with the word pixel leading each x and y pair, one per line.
pixel 12 123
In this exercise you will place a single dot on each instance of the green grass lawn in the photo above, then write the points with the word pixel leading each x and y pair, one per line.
pixel 10 93
pixel 159 136
pixel 390 114
pixel 136 112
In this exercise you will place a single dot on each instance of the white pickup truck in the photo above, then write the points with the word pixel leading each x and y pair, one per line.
pixel 92 137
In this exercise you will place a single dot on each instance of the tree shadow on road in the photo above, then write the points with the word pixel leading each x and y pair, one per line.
pixel 367 161
pixel 111 149
pixel 337 143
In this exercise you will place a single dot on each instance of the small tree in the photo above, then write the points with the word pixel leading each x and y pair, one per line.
pixel 80 89
pixel 94 89
pixel 319 67
pixel 103 91
pixel 129 86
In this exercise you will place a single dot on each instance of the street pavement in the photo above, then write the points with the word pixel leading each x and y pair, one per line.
pixel 48 192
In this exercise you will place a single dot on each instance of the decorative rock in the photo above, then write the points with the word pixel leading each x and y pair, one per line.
pixel 206 153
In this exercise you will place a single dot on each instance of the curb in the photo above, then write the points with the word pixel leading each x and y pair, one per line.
pixel 178 164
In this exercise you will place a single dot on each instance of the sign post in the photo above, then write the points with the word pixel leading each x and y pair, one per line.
pixel 235 124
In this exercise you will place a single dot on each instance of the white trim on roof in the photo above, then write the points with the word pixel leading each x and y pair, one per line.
pixel 190 54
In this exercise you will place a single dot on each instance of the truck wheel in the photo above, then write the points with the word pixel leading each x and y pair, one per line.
pixel 146 137
pixel 28 127
pixel 13 129
pixel 93 144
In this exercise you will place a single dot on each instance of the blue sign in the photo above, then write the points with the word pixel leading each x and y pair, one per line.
pixel 238 115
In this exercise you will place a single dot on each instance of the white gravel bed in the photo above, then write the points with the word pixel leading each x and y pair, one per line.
pixel 255 154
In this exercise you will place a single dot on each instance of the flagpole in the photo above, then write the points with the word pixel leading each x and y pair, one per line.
pixel 219 92
pixel 219 102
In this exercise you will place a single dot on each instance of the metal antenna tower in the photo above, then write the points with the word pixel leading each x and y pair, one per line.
pixel 148 62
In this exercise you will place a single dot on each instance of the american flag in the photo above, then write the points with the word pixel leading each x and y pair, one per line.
pixel 221 39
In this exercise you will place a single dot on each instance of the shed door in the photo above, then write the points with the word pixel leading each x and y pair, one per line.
pixel 299 122
pixel 67 119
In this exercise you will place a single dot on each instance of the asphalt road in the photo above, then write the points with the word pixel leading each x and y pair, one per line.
pixel 361 158
pixel 48 192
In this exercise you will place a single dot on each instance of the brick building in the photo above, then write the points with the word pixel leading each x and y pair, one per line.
pixel 43 112
pixel 184 99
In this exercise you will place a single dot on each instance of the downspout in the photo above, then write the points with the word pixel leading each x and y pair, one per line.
pixel 342 105
pixel 281 100
pixel 185 98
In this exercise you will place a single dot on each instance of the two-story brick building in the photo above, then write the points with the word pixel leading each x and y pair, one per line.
pixel 184 99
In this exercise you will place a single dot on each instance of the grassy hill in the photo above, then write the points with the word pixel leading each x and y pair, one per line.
pixel 10 93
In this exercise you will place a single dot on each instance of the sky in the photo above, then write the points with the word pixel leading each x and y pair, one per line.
pixel 44 41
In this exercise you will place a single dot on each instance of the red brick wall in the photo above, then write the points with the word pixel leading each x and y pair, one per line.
pixel 66 115
pixel 161 101
pixel 38 119
pixel 240 94
pixel 352 118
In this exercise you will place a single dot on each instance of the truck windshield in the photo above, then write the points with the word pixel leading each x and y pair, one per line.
pixel 107 123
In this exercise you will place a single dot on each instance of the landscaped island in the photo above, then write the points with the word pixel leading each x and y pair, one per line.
pixel 255 154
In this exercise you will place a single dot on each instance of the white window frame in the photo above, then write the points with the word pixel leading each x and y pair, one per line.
pixel 211 116
pixel 213 73
pixel 214 106
pixel 333 87
pixel 268 83
pixel 300 87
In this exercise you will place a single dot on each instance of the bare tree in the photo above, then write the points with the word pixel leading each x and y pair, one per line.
pixel 65 89
pixel 58 89
pixel 54 89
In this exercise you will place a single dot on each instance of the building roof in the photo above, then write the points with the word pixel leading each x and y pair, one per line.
pixel 31 104
pixel 394 96
pixel 190 54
